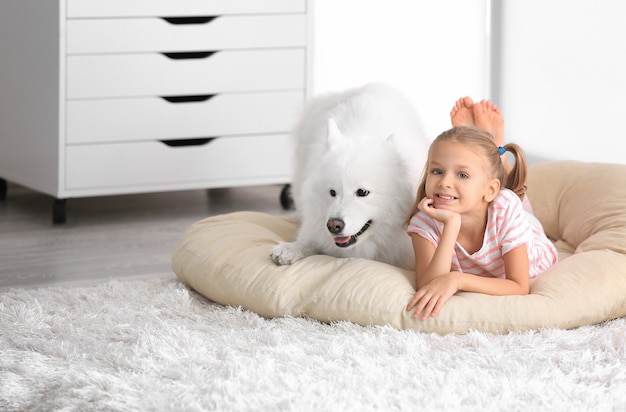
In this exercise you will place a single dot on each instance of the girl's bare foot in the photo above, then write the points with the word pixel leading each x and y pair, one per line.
pixel 487 116
pixel 461 113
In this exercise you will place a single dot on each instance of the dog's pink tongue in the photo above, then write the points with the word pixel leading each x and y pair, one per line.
pixel 342 239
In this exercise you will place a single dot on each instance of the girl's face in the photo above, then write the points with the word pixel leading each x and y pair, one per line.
pixel 457 179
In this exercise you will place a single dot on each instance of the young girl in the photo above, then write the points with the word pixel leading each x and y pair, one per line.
pixel 469 228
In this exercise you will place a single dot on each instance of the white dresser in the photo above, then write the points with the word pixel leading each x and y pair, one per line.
pixel 101 97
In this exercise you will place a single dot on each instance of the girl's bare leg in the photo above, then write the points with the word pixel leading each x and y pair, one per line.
pixel 487 116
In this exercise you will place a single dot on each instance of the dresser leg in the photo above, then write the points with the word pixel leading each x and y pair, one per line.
pixel 3 189
pixel 286 200
pixel 59 211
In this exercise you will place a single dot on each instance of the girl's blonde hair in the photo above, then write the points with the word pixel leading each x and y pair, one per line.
pixel 484 143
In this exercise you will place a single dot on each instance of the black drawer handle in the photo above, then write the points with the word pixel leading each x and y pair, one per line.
pixel 190 19
pixel 188 99
pixel 189 55
pixel 188 142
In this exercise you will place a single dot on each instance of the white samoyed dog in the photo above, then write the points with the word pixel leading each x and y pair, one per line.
pixel 359 156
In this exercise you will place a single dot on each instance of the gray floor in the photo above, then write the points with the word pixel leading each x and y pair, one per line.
pixel 108 237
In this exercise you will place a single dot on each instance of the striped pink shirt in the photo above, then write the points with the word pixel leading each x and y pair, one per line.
pixel 508 226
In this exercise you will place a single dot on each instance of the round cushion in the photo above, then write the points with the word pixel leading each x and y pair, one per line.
pixel 582 207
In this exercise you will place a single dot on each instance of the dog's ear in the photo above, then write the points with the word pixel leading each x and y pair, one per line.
pixel 334 135
pixel 391 143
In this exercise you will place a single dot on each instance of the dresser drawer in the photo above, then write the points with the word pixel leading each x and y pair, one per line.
pixel 154 118
pixel 157 75
pixel 129 8
pixel 156 34
pixel 228 161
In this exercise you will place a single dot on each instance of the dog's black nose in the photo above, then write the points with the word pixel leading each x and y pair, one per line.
pixel 335 226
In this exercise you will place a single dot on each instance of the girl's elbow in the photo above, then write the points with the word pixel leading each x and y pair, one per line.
pixel 517 288
pixel 524 289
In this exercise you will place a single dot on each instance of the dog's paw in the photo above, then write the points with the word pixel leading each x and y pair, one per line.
pixel 286 253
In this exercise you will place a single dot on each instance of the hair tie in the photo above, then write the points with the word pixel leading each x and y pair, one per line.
pixel 501 150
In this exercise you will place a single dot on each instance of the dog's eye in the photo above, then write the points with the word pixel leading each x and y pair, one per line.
pixel 362 192
pixel 333 193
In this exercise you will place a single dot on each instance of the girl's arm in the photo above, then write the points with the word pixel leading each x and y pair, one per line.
pixel 431 262
pixel 429 299
pixel 517 282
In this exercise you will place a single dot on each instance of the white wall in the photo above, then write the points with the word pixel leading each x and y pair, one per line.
pixel 435 51
pixel 562 90
pixel 563 78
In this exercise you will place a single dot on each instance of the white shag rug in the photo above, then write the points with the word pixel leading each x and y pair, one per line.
pixel 155 345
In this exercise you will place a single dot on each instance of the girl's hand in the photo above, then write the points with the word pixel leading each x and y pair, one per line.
pixel 429 299
pixel 426 205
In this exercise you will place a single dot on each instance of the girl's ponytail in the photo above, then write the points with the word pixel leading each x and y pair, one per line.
pixel 516 178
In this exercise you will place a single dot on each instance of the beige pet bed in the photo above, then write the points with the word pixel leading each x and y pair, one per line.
pixel 581 205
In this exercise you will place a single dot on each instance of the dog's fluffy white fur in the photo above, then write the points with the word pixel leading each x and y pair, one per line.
pixel 359 155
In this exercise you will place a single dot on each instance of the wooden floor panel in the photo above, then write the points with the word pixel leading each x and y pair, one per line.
pixel 108 237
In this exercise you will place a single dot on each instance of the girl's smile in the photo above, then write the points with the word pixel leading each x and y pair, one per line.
pixel 444 199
